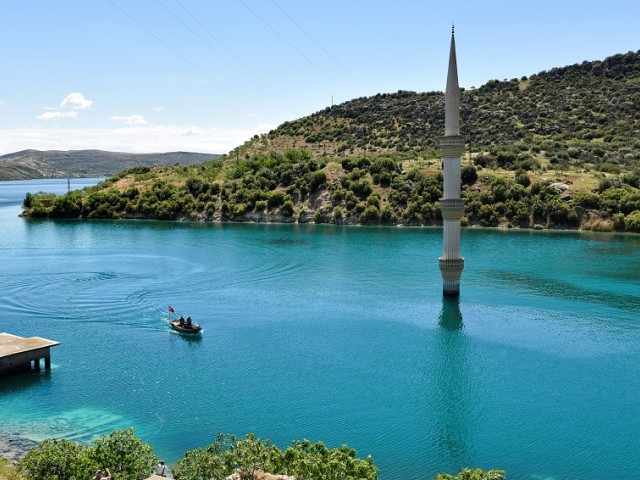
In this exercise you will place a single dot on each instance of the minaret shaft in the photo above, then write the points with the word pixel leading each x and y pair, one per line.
pixel 451 205
pixel 451 177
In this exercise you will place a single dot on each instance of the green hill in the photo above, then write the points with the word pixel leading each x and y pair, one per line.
pixel 583 113
pixel 558 149
pixel 35 164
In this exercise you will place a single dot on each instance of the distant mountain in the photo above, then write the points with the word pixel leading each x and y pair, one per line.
pixel 34 164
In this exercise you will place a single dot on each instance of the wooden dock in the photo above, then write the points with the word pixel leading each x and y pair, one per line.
pixel 19 354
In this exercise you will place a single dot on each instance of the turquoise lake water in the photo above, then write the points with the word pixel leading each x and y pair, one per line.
pixel 338 334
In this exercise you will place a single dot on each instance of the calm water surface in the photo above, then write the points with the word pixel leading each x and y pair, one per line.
pixel 333 334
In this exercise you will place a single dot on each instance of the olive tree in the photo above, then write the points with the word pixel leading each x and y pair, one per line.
pixel 124 454
pixel 54 459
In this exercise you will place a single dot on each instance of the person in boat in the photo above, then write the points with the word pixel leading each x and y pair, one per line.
pixel 181 321
pixel 189 324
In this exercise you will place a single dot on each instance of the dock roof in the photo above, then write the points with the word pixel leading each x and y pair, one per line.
pixel 12 344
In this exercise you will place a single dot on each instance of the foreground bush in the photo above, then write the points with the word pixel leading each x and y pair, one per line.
pixel 121 452
pixel 303 460
pixel 55 459
pixel 128 458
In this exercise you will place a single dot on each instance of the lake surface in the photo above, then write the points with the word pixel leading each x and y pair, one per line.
pixel 337 334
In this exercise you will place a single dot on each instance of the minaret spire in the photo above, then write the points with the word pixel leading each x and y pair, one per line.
pixel 452 93
pixel 451 205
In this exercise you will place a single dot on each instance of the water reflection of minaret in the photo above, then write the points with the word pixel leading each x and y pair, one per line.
pixel 451 205
pixel 450 316
pixel 454 387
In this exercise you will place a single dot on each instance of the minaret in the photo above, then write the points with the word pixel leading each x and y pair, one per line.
pixel 451 205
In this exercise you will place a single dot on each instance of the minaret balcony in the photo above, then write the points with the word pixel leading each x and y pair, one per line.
pixel 452 146
pixel 451 268
pixel 451 208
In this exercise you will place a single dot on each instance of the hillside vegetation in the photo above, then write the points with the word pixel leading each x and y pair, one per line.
pixel 558 149
pixel 586 113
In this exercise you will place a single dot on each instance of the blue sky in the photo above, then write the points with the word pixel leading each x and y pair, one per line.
pixel 205 75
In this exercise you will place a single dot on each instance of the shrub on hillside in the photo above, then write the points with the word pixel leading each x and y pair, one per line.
pixel 604 184
pixel 287 208
pixel 632 222
pixel 522 178
pixel 468 175
pixel 632 179
pixel 370 216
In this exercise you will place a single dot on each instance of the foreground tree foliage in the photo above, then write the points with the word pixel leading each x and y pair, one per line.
pixel 55 459
pixel 303 460
pixel 128 458
pixel 121 452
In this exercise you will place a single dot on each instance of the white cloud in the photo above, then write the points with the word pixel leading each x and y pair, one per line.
pixel 2 102
pixel 134 119
pixel 158 109
pixel 76 101
pixel 53 115
pixel 136 139
pixel 189 131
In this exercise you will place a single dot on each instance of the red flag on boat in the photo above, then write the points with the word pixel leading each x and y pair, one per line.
pixel 171 309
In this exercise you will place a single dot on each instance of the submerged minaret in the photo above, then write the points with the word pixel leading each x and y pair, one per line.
pixel 451 205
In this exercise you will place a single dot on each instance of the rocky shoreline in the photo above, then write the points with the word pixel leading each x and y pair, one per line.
pixel 13 447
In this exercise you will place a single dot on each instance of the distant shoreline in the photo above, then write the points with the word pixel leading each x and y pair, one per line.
pixel 345 223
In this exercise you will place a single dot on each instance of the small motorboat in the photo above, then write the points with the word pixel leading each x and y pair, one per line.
pixel 194 329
